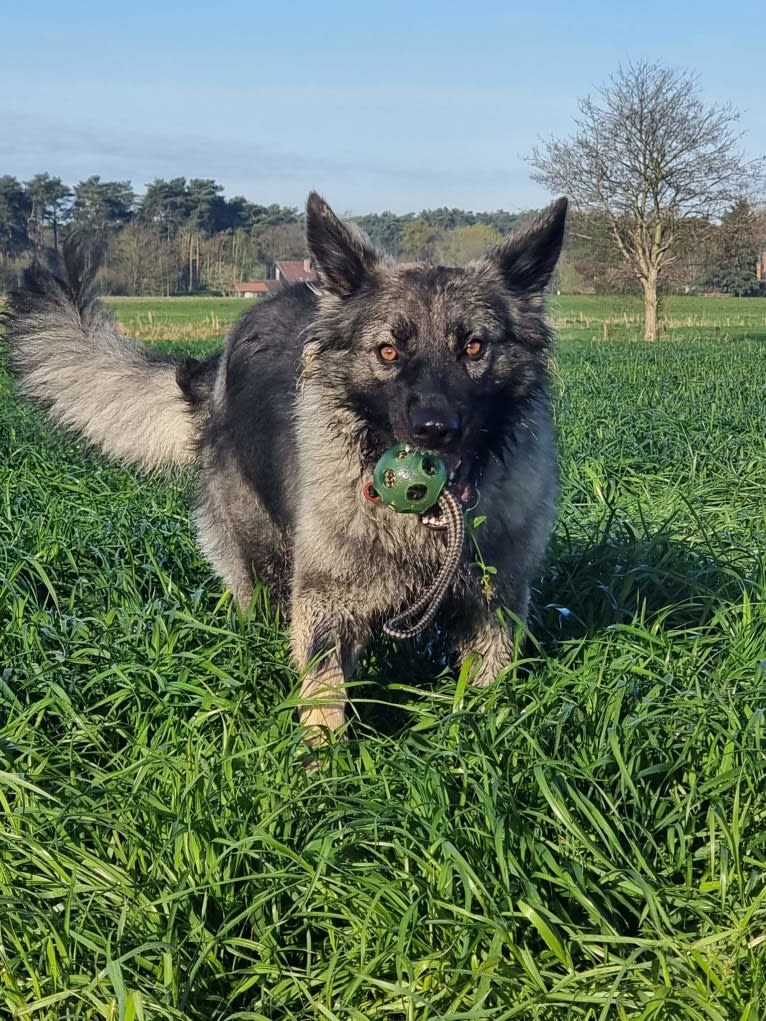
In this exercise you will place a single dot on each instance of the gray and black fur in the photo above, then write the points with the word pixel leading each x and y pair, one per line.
pixel 287 421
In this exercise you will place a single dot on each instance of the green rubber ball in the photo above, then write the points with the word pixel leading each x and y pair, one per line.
pixel 409 480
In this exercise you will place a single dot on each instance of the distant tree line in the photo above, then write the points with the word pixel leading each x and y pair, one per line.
pixel 179 237
pixel 184 237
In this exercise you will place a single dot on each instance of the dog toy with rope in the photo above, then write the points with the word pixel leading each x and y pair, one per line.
pixel 413 481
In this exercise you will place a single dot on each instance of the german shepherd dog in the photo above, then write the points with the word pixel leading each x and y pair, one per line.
pixel 286 422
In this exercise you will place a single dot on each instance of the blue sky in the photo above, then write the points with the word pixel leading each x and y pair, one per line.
pixel 386 105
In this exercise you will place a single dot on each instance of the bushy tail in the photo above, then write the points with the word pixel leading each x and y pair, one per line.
pixel 137 405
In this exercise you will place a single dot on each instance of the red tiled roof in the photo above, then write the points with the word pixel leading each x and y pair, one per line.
pixel 255 286
pixel 259 287
pixel 296 271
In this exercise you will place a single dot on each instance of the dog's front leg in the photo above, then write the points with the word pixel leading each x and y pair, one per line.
pixel 318 653
pixel 493 645
pixel 489 638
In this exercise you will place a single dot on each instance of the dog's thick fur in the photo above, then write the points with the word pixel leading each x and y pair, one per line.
pixel 286 422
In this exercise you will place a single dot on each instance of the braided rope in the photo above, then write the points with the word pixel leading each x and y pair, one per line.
pixel 431 599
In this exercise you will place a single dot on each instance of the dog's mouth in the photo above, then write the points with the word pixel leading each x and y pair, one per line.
pixel 462 471
pixel 461 485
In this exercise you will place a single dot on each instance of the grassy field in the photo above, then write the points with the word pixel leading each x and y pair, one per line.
pixel 586 840
pixel 177 318
pixel 620 317
pixel 583 317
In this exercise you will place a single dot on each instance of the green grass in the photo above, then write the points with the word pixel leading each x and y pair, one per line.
pixel 178 310
pixel 582 317
pixel 177 318
pixel 586 840
pixel 620 317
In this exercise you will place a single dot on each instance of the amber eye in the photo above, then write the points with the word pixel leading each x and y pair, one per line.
pixel 387 353
pixel 474 348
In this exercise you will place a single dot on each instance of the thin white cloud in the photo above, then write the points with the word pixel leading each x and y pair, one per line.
pixel 73 149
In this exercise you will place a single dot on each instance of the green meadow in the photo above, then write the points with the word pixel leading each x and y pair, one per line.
pixel 586 316
pixel 585 840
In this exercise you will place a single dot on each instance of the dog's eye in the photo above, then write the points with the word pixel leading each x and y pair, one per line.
pixel 388 353
pixel 474 348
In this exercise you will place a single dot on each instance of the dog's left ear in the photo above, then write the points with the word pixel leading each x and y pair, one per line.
pixel 343 255
pixel 526 260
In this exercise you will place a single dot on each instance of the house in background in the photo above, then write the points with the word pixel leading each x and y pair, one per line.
pixel 286 272
pixel 256 288
pixel 294 271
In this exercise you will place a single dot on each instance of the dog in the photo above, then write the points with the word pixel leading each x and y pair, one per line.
pixel 287 421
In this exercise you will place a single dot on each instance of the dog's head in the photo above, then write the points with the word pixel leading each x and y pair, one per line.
pixel 446 359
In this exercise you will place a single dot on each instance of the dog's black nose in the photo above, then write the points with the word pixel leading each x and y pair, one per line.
pixel 434 427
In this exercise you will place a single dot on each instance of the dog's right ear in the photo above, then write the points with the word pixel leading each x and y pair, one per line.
pixel 342 254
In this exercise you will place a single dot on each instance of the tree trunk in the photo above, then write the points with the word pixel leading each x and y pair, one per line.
pixel 34 230
pixel 651 326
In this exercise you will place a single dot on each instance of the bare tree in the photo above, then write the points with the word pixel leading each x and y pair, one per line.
pixel 650 155
pixel 459 246
pixel 280 241
pixel 418 239
pixel 136 253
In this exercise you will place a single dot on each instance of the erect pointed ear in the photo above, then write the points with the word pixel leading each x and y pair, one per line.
pixel 527 259
pixel 343 255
